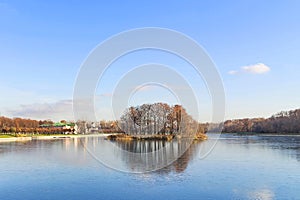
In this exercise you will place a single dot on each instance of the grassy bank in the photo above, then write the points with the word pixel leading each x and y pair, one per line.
pixel 29 135
pixel 6 136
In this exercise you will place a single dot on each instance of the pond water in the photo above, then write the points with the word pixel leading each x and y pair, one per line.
pixel 238 167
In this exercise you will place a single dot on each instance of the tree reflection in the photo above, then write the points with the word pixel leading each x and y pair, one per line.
pixel 159 153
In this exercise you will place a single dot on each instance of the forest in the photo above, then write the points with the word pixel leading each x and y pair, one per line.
pixel 282 122
pixel 30 126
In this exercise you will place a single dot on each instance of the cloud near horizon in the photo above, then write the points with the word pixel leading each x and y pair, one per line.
pixel 258 68
pixel 57 111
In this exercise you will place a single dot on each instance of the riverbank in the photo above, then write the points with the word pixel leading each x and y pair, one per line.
pixel 264 134
pixel 9 138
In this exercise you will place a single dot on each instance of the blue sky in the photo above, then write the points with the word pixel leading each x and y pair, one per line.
pixel 43 44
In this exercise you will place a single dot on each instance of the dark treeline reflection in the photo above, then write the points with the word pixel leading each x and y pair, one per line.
pixel 182 162
pixel 162 155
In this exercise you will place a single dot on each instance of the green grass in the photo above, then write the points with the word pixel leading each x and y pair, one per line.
pixel 6 136
pixel 30 135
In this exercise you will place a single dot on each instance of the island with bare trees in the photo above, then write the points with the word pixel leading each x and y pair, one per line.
pixel 158 121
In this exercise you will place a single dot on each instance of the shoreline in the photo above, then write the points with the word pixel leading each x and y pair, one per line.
pixel 105 135
pixel 51 137
pixel 264 134
pixel 126 137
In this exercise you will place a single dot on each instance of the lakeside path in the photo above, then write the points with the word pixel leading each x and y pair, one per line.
pixel 50 137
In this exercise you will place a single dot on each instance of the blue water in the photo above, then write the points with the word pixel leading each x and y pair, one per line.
pixel 247 167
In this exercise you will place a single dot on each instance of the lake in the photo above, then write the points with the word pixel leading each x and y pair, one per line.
pixel 238 167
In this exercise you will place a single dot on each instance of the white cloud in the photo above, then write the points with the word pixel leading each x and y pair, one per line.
pixel 54 111
pixel 258 68
pixel 233 72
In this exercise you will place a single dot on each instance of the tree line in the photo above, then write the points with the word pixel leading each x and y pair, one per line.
pixel 25 126
pixel 159 118
pixel 30 126
pixel 282 122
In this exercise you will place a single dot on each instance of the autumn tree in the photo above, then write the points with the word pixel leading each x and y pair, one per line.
pixel 157 118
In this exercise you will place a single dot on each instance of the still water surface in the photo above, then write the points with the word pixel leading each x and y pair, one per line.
pixel 247 167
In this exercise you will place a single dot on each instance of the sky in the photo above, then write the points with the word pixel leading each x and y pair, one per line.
pixel 255 46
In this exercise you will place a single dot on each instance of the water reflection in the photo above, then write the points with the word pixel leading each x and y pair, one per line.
pixel 285 145
pixel 136 156
pixel 182 152
pixel 131 156
pixel 77 151
pixel 182 162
